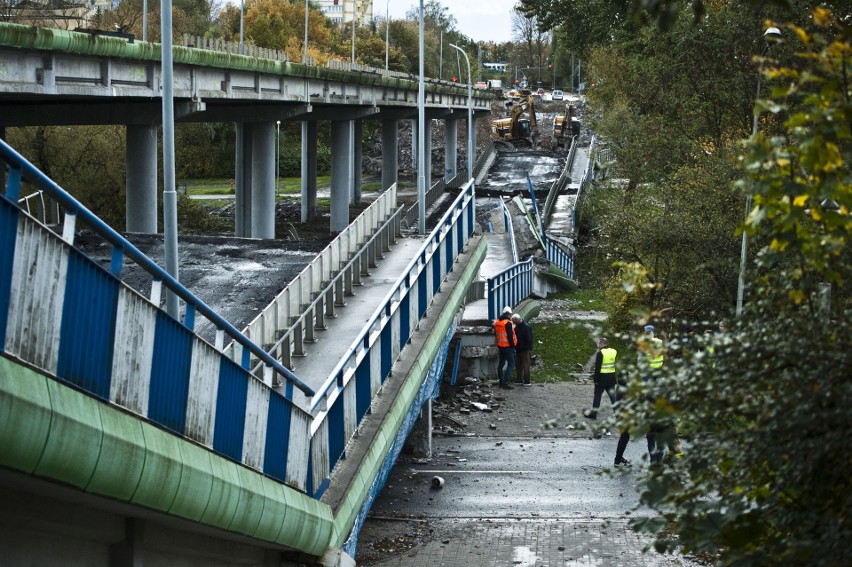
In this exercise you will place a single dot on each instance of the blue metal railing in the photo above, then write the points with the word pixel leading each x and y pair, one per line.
pixel 64 313
pixel 20 169
pixel 509 287
pixel 345 397
pixel 561 257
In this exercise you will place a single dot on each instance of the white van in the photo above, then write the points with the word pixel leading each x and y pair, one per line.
pixel 557 95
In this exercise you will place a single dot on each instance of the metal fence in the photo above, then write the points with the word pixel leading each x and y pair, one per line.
pixel 509 287
pixel 299 309
pixel 560 183
pixel 345 397
pixel 64 313
pixel 556 254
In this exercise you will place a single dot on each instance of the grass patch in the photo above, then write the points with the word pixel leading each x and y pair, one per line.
pixel 565 348
pixel 588 299
pixel 371 187
pixel 286 185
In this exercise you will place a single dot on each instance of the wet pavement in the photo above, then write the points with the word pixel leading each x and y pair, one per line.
pixel 527 482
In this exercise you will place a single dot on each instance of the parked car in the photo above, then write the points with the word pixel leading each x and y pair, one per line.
pixel 557 95
pixel 540 92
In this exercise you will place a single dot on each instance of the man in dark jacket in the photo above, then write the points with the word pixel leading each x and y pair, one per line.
pixel 523 351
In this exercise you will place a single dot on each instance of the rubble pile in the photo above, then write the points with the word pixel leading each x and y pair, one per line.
pixel 469 397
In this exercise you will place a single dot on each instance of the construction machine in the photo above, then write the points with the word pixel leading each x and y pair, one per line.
pixel 516 130
pixel 565 126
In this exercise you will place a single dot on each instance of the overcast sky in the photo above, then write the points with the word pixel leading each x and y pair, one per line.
pixel 480 20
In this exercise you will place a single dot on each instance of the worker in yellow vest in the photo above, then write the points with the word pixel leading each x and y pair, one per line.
pixel 604 377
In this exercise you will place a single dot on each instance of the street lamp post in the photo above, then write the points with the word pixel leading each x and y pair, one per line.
pixel 770 36
pixel 354 11
pixel 242 47
pixel 387 33
pixel 421 138
pixel 470 148
pixel 305 55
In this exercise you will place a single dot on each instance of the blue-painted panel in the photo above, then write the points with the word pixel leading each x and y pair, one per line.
pixel 170 374
pixel 386 339
pixel 436 272
pixel 8 238
pixel 404 320
pixel 277 437
pixel 88 326
pixel 336 442
pixel 450 253
pixel 362 389
pixel 229 429
pixel 422 300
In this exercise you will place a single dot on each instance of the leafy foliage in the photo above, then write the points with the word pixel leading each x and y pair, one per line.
pixel 764 406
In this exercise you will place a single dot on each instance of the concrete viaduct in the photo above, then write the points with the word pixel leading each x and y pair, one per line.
pixel 54 77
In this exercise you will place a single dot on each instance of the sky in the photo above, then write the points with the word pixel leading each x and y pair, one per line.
pixel 480 20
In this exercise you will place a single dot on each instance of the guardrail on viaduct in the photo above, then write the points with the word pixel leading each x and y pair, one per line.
pixel 344 398
pixel 63 313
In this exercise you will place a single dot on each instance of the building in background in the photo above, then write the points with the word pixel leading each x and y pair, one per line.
pixel 341 11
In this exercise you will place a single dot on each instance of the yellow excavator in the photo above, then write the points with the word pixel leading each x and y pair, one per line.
pixel 565 126
pixel 516 130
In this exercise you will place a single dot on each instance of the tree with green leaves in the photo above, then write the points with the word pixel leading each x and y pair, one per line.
pixel 763 406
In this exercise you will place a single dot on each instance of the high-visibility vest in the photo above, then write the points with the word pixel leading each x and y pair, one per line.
pixel 502 334
pixel 655 354
pixel 608 360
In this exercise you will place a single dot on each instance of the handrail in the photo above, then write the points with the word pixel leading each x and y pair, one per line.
pixel 432 196
pixel 510 286
pixel 560 183
pixel 482 159
pixel 509 227
pixel 339 251
pixel 322 391
pixel 21 168
pixel 333 291
pixel 556 254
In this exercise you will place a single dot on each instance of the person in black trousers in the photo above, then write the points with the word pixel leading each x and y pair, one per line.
pixel 523 350
pixel 604 377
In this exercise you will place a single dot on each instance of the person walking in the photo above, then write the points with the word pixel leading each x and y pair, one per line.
pixel 506 341
pixel 652 356
pixel 523 350
pixel 604 377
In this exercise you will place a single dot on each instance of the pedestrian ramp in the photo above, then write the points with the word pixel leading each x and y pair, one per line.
pixel 136 417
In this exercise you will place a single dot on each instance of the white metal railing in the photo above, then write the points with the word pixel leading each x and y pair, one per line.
pixel 346 395
pixel 289 315
pixel 509 227
pixel 559 184
pixel 219 44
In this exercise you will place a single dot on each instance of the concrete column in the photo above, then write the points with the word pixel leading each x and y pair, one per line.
pixel 390 153
pixel 414 144
pixel 141 179
pixel 451 136
pixel 263 180
pixel 358 153
pixel 242 181
pixel 427 153
pixel 341 173
pixel 309 170
pixel 473 145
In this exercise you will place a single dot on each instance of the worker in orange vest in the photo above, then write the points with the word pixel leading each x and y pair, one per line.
pixel 506 341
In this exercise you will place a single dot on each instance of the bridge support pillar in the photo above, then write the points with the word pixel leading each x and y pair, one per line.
pixel 451 136
pixel 341 173
pixel 427 153
pixel 263 180
pixel 254 211
pixel 309 170
pixel 357 158
pixel 242 181
pixel 141 179
pixel 390 153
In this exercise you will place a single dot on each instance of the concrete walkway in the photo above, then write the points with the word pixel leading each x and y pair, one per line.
pixel 497 259
pixel 333 342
